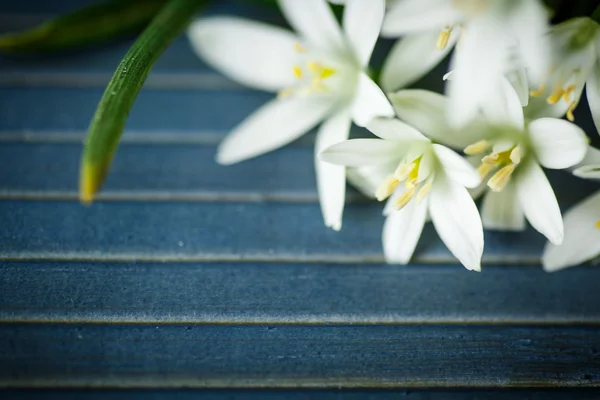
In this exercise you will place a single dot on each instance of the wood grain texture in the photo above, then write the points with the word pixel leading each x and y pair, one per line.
pixel 295 356
pixel 276 293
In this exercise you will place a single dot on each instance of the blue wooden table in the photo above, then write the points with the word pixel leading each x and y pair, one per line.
pixel 223 281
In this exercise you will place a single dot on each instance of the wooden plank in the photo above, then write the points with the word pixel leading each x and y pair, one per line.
pixel 293 293
pixel 326 356
pixel 188 231
pixel 303 394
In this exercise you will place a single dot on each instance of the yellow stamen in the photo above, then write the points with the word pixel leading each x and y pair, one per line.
pixel 491 159
pixel 570 115
pixel 404 198
pixel 598 224
pixel 539 92
pixel 326 72
pixel 483 170
pixel 386 188
pixel 442 40
pixel 477 148
pixel 314 66
pixel 297 71
pixel 424 191
pixel 403 171
pixel 556 95
pixel 515 155
pixel 567 94
pixel 499 180
pixel 299 48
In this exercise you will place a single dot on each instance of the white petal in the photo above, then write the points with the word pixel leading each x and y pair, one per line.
pixel 410 16
pixel 367 178
pixel 254 54
pixel 503 106
pixel 402 230
pixel 315 22
pixel 369 102
pixel 539 202
pixel 412 57
pixel 538 107
pixel 394 129
pixel 557 143
pixel 592 89
pixel 519 82
pixel 359 152
pixel 362 23
pixel 331 179
pixel 478 65
pixel 582 238
pixel 457 222
pixel 426 111
pixel 502 210
pixel 589 167
pixel 456 167
pixel 274 125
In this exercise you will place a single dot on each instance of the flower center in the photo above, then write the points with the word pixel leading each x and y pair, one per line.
pixel 310 76
pixel 407 172
pixel 502 162
pixel 563 89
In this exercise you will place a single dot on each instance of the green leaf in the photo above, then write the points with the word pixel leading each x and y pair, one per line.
pixel 110 117
pixel 89 25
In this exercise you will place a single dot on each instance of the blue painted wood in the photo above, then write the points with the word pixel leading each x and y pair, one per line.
pixel 234 230
pixel 326 356
pixel 305 394
pixel 299 293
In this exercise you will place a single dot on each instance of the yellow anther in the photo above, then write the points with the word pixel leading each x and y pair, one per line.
pixel 404 198
pixel 314 66
pixel 477 147
pixel 567 93
pixel 539 92
pixel 444 36
pixel 403 171
pixel 386 188
pixel 570 115
pixel 499 180
pixel 556 95
pixel 598 224
pixel 515 155
pixel 326 72
pixel 299 48
pixel 484 170
pixel 491 159
pixel 424 191
pixel 297 71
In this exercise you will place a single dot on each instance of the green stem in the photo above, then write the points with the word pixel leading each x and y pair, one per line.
pixel 94 24
pixel 110 117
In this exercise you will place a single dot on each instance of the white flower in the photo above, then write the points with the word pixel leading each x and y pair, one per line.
pixel 582 224
pixel 420 177
pixel 496 38
pixel 319 75
pixel 511 151
pixel 576 45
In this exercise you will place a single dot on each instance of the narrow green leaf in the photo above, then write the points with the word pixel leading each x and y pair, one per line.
pixel 110 117
pixel 90 25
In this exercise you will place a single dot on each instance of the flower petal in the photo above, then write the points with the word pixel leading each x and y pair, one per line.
pixel 502 210
pixel 456 167
pixel 369 102
pixel 394 129
pixel 362 24
pixel 539 202
pixel 331 179
pixel 519 82
pixel 315 22
pixel 359 152
pixel 274 125
pixel 412 57
pixel 402 230
pixel 582 237
pixel 411 16
pixel 589 167
pixel 503 106
pixel 367 178
pixel 426 111
pixel 254 54
pixel 457 221
pixel 592 89
pixel 557 143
